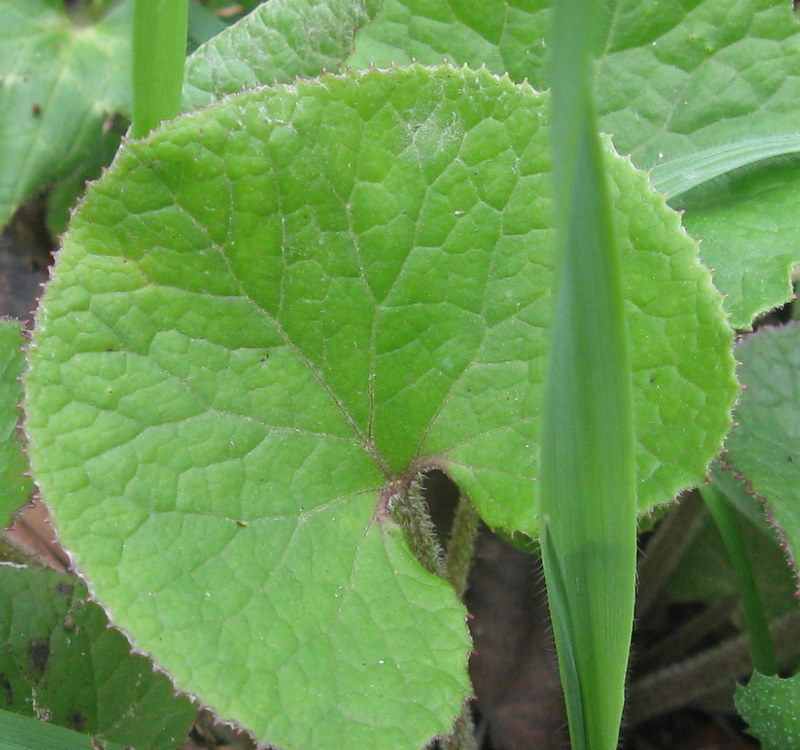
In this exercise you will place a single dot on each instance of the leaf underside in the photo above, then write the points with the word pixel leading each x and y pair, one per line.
pixel 271 314
pixel 705 573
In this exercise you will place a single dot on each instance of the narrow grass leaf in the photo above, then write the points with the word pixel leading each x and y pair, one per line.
pixel 678 176
pixel 587 501
pixel 25 733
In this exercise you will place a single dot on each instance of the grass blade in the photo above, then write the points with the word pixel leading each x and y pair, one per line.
pixel 762 650
pixel 587 500
pixel 159 51
pixel 26 733
pixel 678 176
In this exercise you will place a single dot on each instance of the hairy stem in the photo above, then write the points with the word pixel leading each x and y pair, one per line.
pixel 411 514
pixel 706 673
pixel 461 547
pixel 673 536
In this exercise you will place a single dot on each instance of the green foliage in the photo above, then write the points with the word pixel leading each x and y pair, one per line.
pixel 15 486
pixel 25 733
pixel 771 706
pixel 273 314
pixel 215 400
pixel 61 662
pixel 587 490
pixel 671 81
pixel 60 80
pixel 763 447
pixel 280 42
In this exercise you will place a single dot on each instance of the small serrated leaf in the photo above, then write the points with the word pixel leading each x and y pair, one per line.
pixel 771 706
pixel 764 447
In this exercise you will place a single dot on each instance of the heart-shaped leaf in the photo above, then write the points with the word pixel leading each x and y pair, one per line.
pixel 268 318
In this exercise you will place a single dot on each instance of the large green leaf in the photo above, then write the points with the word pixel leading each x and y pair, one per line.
pixel 771 706
pixel 60 81
pixel 764 447
pixel 267 318
pixel 60 662
pixel 15 486
pixel 673 78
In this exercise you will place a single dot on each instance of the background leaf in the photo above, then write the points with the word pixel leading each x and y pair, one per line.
pixel 60 83
pixel 25 733
pixel 15 486
pixel 672 80
pixel 704 571
pixel 314 293
pixel 764 446
pixel 280 41
pixel 61 663
pixel 750 235
pixel 771 706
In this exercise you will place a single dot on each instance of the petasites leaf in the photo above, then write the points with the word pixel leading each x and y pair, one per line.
pixel 751 235
pixel 771 706
pixel 672 80
pixel 271 315
pixel 60 662
pixel 278 42
pixel 60 81
pixel 764 447
pixel 15 486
